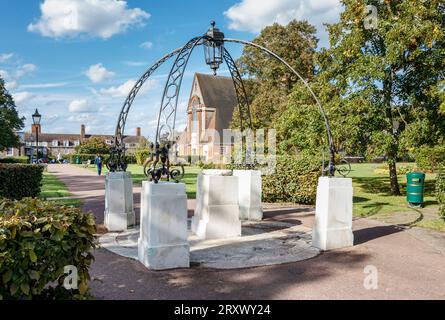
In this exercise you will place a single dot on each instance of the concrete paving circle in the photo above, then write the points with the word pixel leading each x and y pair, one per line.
pixel 262 243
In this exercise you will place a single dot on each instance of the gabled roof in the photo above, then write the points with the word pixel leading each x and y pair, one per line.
pixel 218 92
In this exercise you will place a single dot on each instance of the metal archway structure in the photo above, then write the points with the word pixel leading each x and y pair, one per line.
pixel 215 54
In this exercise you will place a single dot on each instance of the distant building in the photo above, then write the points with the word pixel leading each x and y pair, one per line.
pixel 50 144
pixel 210 110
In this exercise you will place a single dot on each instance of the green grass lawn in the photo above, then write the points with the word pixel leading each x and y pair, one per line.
pixel 372 192
pixel 137 173
pixel 52 187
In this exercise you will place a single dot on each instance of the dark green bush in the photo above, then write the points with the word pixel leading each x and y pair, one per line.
pixel 440 191
pixel 37 240
pixel 20 180
pixel 430 158
pixel 295 180
pixel 15 160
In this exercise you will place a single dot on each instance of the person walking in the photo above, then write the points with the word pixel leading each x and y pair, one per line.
pixel 98 163
pixel 59 158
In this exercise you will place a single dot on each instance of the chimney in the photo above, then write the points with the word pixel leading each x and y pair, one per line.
pixel 138 131
pixel 35 128
pixel 82 132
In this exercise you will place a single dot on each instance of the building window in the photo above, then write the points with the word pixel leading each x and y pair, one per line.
pixel 195 105
pixel 77 143
pixel 127 145
pixel 108 142
pixel 66 143
pixel 55 143
pixel 9 151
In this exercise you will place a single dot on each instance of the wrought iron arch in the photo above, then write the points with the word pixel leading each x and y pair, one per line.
pixel 165 136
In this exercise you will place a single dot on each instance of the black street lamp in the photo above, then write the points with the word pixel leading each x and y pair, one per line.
pixel 36 117
pixel 213 47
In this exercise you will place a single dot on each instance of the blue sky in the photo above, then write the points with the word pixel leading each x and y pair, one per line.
pixel 75 60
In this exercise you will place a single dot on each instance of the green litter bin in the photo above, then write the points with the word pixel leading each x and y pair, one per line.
pixel 415 183
pixel 77 160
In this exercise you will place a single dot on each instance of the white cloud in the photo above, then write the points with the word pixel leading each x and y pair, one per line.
pixel 43 85
pixel 98 73
pixel 124 89
pixel 135 63
pixel 80 106
pixel 252 16
pixel 147 45
pixel 21 97
pixel 98 18
pixel 25 69
pixel 5 56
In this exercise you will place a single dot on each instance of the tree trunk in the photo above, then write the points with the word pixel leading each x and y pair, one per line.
pixel 395 190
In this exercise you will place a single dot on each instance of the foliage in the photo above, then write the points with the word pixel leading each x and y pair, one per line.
pixel 93 145
pixel 15 160
pixel 380 85
pixel 142 155
pixel 295 180
pixel 37 240
pixel 20 180
pixel 430 158
pixel 401 169
pixel 440 191
pixel 129 158
pixel 10 122
pixel 270 80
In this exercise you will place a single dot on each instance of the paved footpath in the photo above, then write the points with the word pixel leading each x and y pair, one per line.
pixel 410 262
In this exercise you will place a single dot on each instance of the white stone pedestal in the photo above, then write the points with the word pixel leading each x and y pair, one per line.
pixel 119 213
pixel 333 214
pixel 217 208
pixel 163 240
pixel 249 194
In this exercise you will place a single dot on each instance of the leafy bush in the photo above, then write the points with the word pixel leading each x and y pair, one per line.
pixel 142 155
pixel 129 158
pixel 295 180
pixel 15 160
pixel 93 145
pixel 430 158
pixel 440 191
pixel 20 180
pixel 37 240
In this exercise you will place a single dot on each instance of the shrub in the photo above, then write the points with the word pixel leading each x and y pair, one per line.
pixel 141 156
pixel 129 158
pixel 430 158
pixel 440 191
pixel 37 240
pixel 20 180
pixel 23 160
pixel 295 180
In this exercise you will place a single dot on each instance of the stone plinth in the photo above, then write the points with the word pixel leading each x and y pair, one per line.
pixel 217 208
pixel 119 213
pixel 162 242
pixel 333 214
pixel 249 194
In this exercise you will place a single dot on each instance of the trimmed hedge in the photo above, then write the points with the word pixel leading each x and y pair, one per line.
pixel 20 180
pixel 440 191
pixel 15 160
pixel 295 180
pixel 430 158
pixel 37 240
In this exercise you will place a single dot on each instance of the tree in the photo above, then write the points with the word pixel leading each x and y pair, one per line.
pixel 10 122
pixel 388 77
pixel 269 81
pixel 93 145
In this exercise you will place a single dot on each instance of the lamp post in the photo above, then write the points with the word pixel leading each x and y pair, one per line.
pixel 31 138
pixel 36 117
